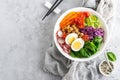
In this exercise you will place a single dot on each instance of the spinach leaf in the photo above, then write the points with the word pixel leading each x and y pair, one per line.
pixel 75 54
pixel 91 47
pixel 97 41
pixel 83 53
pixel 111 56
pixel 72 54
pixel 88 52
pixel 80 54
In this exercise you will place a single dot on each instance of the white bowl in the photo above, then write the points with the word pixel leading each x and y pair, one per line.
pixel 104 26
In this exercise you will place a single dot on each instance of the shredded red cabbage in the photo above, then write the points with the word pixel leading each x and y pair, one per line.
pixel 92 32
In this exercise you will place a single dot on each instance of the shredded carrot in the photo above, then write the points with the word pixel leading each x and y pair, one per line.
pixel 67 16
pixel 69 19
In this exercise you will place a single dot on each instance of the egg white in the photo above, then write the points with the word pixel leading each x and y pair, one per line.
pixel 70 35
pixel 81 42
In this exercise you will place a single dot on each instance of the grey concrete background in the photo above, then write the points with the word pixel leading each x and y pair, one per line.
pixel 24 38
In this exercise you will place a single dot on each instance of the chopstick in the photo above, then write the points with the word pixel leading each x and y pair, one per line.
pixel 55 6
pixel 50 9
pixel 56 3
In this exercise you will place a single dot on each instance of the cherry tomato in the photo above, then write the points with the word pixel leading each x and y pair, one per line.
pixel 80 20
pixel 64 35
pixel 87 14
pixel 77 21
pixel 85 37
pixel 81 26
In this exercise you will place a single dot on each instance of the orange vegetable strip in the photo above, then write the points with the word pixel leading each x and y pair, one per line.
pixel 63 23
pixel 67 16
pixel 67 23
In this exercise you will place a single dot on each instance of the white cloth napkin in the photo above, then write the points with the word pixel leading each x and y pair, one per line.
pixel 57 64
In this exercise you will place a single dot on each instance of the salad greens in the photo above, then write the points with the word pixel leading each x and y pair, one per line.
pixel 97 41
pixel 111 56
pixel 90 48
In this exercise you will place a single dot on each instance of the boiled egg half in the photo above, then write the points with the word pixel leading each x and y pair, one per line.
pixel 70 38
pixel 77 44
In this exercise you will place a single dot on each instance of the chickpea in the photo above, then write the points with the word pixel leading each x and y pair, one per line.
pixel 81 34
pixel 71 28
pixel 69 31
pixel 74 27
pixel 67 27
pixel 73 31
pixel 77 33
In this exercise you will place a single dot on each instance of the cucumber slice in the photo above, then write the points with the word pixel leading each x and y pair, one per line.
pixel 92 21
pixel 88 21
pixel 94 18
pixel 96 24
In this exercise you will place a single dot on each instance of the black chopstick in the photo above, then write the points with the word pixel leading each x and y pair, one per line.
pixel 55 6
pixel 50 9
pixel 56 3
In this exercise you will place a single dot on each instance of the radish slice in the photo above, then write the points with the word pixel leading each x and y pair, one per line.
pixel 61 41
pixel 66 48
pixel 66 51
pixel 59 33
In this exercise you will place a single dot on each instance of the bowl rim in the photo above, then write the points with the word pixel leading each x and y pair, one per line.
pixel 80 9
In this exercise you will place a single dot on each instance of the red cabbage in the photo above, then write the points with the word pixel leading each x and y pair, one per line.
pixel 92 32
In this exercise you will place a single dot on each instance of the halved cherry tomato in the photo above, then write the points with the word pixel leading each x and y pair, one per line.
pixel 64 35
pixel 80 20
pixel 85 37
pixel 87 14
pixel 77 21
pixel 81 26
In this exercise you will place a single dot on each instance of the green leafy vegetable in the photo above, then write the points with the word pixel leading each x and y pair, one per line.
pixel 90 48
pixel 79 54
pixel 83 53
pixel 72 54
pixel 88 52
pixel 111 56
pixel 97 41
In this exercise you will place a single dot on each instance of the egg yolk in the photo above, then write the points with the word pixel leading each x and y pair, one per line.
pixel 71 39
pixel 76 45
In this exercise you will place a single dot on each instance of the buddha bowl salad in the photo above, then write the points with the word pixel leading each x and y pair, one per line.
pixel 80 34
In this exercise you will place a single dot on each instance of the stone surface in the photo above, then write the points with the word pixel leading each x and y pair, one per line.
pixel 24 38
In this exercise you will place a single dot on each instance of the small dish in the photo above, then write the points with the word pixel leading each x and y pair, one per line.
pixel 105 69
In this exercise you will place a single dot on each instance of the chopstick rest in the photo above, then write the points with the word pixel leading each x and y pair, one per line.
pixel 49 5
